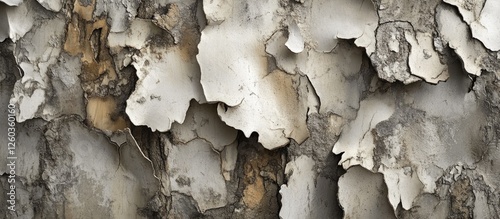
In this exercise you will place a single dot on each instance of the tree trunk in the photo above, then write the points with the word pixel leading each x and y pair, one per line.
pixel 250 109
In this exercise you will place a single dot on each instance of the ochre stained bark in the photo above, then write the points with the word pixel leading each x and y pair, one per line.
pixel 86 37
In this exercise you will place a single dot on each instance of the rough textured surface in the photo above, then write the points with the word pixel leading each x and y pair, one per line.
pixel 250 109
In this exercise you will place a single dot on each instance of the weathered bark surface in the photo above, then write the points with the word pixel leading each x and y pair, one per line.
pixel 250 109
